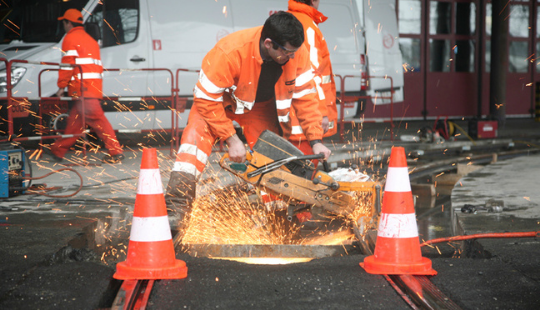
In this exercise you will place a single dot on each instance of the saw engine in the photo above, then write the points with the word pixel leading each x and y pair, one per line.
pixel 277 167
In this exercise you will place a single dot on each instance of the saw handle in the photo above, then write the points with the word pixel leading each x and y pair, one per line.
pixel 333 186
pixel 325 166
pixel 312 156
pixel 235 167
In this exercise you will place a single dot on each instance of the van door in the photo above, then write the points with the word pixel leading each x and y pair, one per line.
pixel 183 32
pixel 249 13
pixel 383 53
pixel 344 38
pixel 124 41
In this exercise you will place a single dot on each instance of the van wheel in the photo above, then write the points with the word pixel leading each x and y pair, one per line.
pixel 58 122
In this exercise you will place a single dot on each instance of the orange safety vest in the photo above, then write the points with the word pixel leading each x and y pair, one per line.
pixel 320 61
pixel 79 48
pixel 229 77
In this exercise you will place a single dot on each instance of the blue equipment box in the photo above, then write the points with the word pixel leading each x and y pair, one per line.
pixel 11 171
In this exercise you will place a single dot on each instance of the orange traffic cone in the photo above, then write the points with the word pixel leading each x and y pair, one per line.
pixel 151 250
pixel 398 248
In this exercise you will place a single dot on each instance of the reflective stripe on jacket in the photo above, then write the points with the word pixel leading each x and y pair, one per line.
pixel 229 77
pixel 320 61
pixel 79 48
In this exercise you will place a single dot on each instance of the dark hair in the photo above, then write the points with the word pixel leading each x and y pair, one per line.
pixel 283 27
pixel 308 2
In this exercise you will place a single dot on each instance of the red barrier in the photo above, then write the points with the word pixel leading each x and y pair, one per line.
pixel 179 107
pixel 347 100
pixel 55 104
pixel 172 98
pixel 13 101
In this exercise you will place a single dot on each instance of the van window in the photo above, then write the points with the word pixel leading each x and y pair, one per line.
pixel 34 20
pixel 118 21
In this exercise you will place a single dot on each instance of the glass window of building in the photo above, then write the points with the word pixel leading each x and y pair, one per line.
pixel 410 19
pixel 518 57
pixel 464 52
pixel 465 18
pixel 410 50
pixel 440 17
pixel 519 21
pixel 439 58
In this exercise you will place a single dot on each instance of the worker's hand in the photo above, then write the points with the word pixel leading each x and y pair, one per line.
pixel 325 124
pixel 60 92
pixel 237 150
pixel 319 148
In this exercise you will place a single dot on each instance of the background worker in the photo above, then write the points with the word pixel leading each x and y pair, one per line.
pixel 255 77
pixel 79 48
pixel 306 11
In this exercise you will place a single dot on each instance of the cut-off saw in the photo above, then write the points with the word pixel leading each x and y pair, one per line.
pixel 277 167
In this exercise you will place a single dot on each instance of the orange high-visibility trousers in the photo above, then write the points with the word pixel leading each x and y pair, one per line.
pixel 93 117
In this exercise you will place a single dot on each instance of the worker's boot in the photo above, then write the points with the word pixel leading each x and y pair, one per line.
pixel 179 198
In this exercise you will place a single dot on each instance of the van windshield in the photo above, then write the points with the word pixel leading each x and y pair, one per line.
pixel 34 20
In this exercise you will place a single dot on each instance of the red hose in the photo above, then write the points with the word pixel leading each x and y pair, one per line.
pixel 483 236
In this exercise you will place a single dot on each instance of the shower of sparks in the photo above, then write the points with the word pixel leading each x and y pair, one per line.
pixel 230 215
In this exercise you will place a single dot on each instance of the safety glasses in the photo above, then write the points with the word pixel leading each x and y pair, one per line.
pixel 286 51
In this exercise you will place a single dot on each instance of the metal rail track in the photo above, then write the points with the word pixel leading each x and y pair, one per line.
pixel 133 294
pixel 417 291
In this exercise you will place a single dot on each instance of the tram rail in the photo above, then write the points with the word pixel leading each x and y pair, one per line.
pixel 418 292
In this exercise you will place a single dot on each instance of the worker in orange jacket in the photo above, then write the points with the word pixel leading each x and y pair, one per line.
pixel 256 77
pixel 307 13
pixel 81 61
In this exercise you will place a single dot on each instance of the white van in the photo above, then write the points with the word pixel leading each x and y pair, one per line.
pixel 145 43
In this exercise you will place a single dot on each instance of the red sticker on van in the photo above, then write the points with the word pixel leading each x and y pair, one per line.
pixel 157 45
pixel 388 41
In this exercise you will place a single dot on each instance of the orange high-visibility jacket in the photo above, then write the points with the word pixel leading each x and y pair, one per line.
pixel 79 48
pixel 229 77
pixel 320 61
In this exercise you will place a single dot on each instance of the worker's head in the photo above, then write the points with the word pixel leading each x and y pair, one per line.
pixel 72 17
pixel 313 3
pixel 282 36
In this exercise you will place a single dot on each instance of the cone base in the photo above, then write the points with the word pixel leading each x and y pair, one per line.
pixel 423 267
pixel 125 272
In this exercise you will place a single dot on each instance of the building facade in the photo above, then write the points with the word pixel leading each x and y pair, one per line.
pixel 446 47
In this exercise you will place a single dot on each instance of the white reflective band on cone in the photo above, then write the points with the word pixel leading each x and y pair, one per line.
pixel 149 182
pixel 398 226
pixel 397 180
pixel 150 229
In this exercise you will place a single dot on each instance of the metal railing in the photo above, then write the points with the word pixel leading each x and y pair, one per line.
pixel 178 104
pixel 178 107
pixel 344 99
pixel 13 102
pixel 172 98
pixel 59 104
